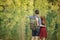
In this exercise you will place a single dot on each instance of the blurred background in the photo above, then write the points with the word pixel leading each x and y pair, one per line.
pixel 14 25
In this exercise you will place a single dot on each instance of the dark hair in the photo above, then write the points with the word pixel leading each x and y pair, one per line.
pixel 36 11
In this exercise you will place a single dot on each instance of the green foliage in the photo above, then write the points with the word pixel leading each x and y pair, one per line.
pixel 15 26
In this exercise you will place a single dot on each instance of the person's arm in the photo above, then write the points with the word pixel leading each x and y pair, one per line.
pixel 37 21
pixel 41 24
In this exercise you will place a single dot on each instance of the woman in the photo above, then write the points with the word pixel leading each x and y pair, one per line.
pixel 43 31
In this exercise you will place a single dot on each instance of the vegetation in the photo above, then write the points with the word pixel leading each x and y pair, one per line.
pixel 14 25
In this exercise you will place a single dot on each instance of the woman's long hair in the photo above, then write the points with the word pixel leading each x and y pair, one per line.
pixel 43 20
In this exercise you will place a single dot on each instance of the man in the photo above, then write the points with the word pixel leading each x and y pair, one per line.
pixel 35 33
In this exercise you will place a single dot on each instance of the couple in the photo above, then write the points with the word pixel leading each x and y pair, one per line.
pixel 39 32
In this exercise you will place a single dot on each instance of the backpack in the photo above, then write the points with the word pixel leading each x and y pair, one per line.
pixel 33 23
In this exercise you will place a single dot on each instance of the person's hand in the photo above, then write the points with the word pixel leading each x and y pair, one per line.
pixel 42 25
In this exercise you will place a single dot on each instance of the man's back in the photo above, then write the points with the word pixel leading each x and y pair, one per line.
pixel 33 22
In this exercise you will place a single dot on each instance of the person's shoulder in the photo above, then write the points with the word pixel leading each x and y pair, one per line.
pixel 37 16
pixel 30 16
